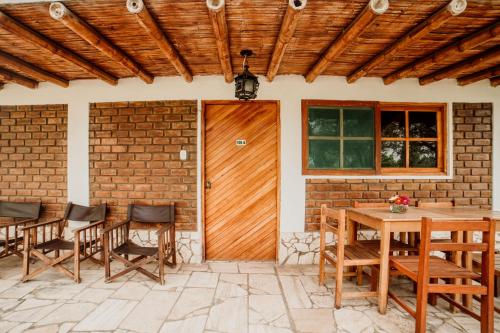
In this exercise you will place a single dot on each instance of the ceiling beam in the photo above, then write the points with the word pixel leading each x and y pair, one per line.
pixel 62 14
pixel 468 65
pixel 478 76
pixel 144 18
pixel 288 26
pixel 347 36
pixel 217 14
pixel 448 52
pixel 20 30
pixel 32 70
pixel 437 19
pixel 495 81
pixel 9 76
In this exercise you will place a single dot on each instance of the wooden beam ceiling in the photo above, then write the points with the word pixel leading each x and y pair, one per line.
pixel 450 51
pixel 144 18
pixel 16 28
pixel 351 33
pixel 495 81
pixel 62 14
pixel 9 76
pixel 288 26
pixel 470 64
pixel 217 14
pixel 454 8
pixel 478 76
pixel 32 70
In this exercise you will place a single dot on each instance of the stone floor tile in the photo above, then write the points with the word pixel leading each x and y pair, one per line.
pixel 32 315
pixel 231 285
pixel 268 310
pixel 288 270
pixel 134 291
pixel 106 316
pixel 173 282
pixel 151 312
pixel 223 267
pixel 64 292
pixel 313 320
pixel 21 289
pixel 195 267
pixel 94 295
pixel 263 284
pixel 295 293
pixel 256 267
pixel 194 324
pixel 267 329
pixel 203 280
pixel 229 315
pixel 193 301
pixel 6 284
pixel 67 312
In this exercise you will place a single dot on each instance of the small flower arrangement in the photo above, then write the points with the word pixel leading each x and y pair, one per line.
pixel 399 203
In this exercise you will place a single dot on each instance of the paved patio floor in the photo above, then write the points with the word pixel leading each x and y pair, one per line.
pixel 211 297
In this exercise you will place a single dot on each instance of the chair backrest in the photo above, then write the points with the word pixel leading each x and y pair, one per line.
pixel 439 204
pixel 337 215
pixel 21 210
pixel 76 212
pixel 151 214
pixel 358 204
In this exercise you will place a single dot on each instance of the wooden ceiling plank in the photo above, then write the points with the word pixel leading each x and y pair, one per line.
pixel 495 81
pixel 478 76
pixel 20 30
pixel 217 15
pixel 9 76
pixel 471 64
pixel 61 13
pixel 351 33
pixel 448 52
pixel 151 26
pixel 437 19
pixel 287 30
pixel 32 70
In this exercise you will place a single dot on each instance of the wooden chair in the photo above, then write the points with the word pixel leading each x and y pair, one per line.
pixel 13 217
pixel 118 246
pixel 342 255
pixel 439 204
pixel 429 270
pixel 43 238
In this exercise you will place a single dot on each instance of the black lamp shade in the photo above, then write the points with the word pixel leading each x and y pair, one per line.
pixel 247 85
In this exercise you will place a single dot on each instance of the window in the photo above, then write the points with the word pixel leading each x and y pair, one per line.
pixel 369 138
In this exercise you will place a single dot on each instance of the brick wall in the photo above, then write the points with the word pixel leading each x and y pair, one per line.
pixel 33 155
pixel 134 156
pixel 472 173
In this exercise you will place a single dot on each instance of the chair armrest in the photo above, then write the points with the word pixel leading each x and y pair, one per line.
pixel 41 224
pixel 328 227
pixel 88 226
pixel 164 229
pixel 114 226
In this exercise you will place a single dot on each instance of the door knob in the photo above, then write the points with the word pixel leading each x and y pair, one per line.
pixel 208 184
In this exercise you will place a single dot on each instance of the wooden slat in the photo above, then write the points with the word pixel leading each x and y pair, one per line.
pixel 61 13
pixel 288 26
pixel 478 76
pixel 448 52
pixel 454 8
pixel 495 81
pixel 241 207
pixel 9 76
pixel 351 33
pixel 141 13
pixel 217 14
pixel 22 31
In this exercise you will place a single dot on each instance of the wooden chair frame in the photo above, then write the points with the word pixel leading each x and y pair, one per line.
pixel 21 215
pixel 428 276
pixel 118 246
pixel 343 255
pixel 42 239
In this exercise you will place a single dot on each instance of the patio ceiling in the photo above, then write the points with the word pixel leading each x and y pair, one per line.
pixel 341 38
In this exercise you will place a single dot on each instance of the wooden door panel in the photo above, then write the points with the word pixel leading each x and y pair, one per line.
pixel 241 207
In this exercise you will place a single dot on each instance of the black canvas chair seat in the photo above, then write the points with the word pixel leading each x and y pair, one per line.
pixel 130 248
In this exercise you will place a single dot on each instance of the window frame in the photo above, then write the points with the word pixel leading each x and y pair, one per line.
pixel 378 108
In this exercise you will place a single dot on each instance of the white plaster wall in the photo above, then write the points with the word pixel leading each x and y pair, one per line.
pixel 289 90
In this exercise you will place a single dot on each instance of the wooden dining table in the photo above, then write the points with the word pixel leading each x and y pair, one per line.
pixel 385 222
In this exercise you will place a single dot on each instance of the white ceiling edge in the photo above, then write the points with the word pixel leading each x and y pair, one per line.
pixel 9 2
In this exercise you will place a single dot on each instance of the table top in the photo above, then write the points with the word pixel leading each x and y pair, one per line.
pixel 415 214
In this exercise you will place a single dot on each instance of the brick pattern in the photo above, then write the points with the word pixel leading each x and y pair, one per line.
pixel 472 174
pixel 33 155
pixel 134 156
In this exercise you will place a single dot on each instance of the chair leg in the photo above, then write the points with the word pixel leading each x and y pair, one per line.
pixel 374 279
pixel 173 245
pixel 421 312
pixel 359 275
pixel 26 263
pixel 321 268
pixel 433 297
pixel 487 314
pixel 497 286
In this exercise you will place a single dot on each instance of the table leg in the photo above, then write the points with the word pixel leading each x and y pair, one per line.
pixel 456 257
pixel 352 231
pixel 467 263
pixel 383 288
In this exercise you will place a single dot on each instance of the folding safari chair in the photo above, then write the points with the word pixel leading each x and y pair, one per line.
pixel 42 239
pixel 13 217
pixel 118 245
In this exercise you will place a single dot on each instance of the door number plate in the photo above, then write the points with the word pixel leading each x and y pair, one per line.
pixel 241 142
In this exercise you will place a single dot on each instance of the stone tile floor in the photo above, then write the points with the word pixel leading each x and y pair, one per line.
pixel 211 297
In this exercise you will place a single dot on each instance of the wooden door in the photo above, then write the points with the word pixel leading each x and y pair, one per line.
pixel 241 175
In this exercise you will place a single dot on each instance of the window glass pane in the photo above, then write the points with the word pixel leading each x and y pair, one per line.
pixel 423 124
pixel 358 154
pixel 324 154
pixel 358 122
pixel 393 124
pixel 393 154
pixel 324 122
pixel 423 154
